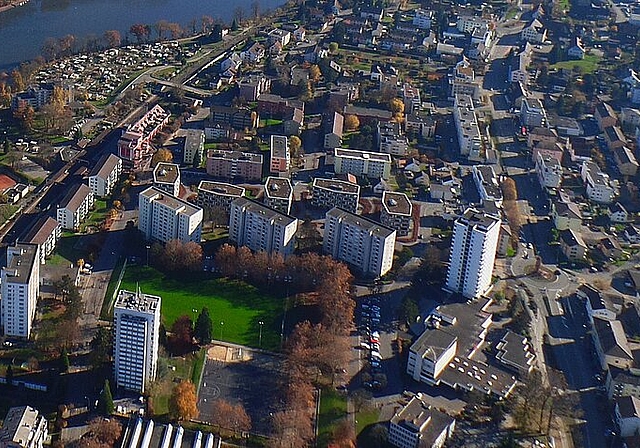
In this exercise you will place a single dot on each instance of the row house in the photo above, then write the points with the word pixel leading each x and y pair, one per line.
pixel 135 143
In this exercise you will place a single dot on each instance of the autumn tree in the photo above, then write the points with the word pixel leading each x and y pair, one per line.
pixel 333 47
pixel 17 81
pixel 140 31
pixel 105 431
pixel 351 122
pixel 295 145
pixel 207 23
pixel 112 38
pixel 314 73
pixel 232 417
pixel 183 403
pixel 178 256
pixel 203 328
pixel 181 338
pixel 161 155
pixel 509 190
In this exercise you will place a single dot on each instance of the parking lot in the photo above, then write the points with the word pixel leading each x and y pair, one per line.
pixel 238 374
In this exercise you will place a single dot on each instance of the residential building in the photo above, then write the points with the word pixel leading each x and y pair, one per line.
pixel 163 217
pixel 618 214
pixel 20 288
pixel 605 116
pixel 487 184
pixel 253 54
pixel 627 415
pixel 611 344
pixel 193 148
pixel 24 427
pixel 329 193
pixel 535 32
pixel 276 106
pixel 532 113
pixel 572 245
pixel 261 228
pixel 333 128
pixel 136 330
pixel 625 161
pixel 518 68
pixel 278 194
pixel 473 252
pixel 397 212
pixel 467 24
pixel 364 244
pixel 233 117
pixel 548 150
pixel 599 187
pixel 595 303
pixel 279 35
pixel 419 425
pixel 514 352
pixel 280 155
pixel 420 124
pixel 390 140
pixel 45 233
pixel 234 165
pixel 549 171
pixel 541 134
pixel 252 87
pixel 411 99
pixel 614 138
pixel 135 144
pixel 105 175
pixel 218 196
pixel 463 81
pixel 467 130
pixel 422 18
pixel 368 115
pixel 362 163
pixel 166 177
pixel 576 50
pixel 566 215
pixel 293 121
pixel 629 118
pixel 75 207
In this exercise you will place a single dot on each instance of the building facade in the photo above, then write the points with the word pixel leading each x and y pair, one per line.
pixel 135 144
pixel 280 154
pixel 23 427
pixel 217 195
pixel 20 286
pixel 105 175
pixel 163 217
pixel 234 165
pixel 166 177
pixel 329 193
pixel 45 233
pixel 278 194
pixel 75 207
pixel 362 163
pixel 397 212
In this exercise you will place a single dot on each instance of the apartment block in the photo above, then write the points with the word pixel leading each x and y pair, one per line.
pixel 390 139
pixel 234 165
pixel 549 171
pixel 532 113
pixel 278 194
pixel 261 228
pixel 20 287
pixel 467 130
pixel 105 175
pixel 163 217
pixel 24 427
pixel 364 244
pixel 75 207
pixel 217 195
pixel 362 163
pixel 136 328
pixel 599 187
pixel 135 144
pixel 473 252
pixel 487 184
pixel 329 193
pixel 45 233
pixel 397 211
pixel 280 154
pixel 193 146
pixel 625 161
pixel 418 424
pixel 166 177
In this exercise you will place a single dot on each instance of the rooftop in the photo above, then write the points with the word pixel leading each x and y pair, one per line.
pixel 364 155
pixel 418 416
pixel 278 187
pixel 176 204
pixel 143 303
pixel 166 173
pixel 235 155
pixel 432 343
pixel 612 338
pixel 220 188
pixel 20 264
pixel 75 197
pixel 629 407
pixel 279 146
pixel 18 426
pixel 105 166
pixel 336 185
pixel 396 203
pixel 251 206
pixel 513 351
pixel 41 230
pixel 360 221
pixel 473 217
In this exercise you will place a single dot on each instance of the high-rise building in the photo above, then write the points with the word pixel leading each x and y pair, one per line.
pixel 473 252
pixel 278 194
pixel 329 193
pixel 166 177
pixel 20 286
pixel 23 427
pixel 261 228
pixel 358 241
pixel 136 323
pixel 163 217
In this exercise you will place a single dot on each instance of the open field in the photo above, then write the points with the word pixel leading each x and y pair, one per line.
pixel 333 408
pixel 235 307
pixel 587 65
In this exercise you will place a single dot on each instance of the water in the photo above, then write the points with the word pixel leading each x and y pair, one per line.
pixel 23 30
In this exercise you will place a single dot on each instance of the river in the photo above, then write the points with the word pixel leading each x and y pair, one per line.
pixel 23 30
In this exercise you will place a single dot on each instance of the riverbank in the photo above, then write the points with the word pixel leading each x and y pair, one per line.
pixel 13 4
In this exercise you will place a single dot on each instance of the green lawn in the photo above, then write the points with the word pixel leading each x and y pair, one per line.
pixel 235 307
pixel 333 408
pixel 587 65
pixel 97 215
pixel 365 418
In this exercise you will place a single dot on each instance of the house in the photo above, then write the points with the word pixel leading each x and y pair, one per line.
pixel 605 116
pixel 280 36
pixel 253 54
pixel 599 187
pixel 373 13
pixel 549 171
pixel 632 234
pixel 595 303
pixel 518 65
pixel 625 161
pixel 418 424
pixel 627 415
pixel 572 245
pixel 300 34
pixel 535 32
pixel 251 88
pixel 333 128
pixel 612 346
pixel 634 280
pixel 629 118
pixel 608 248
pixel 618 214
pixel 541 134
pixel 576 50
pixel 532 112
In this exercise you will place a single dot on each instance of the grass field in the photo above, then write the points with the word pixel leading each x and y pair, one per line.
pixel 333 408
pixel 365 418
pixel 587 65
pixel 235 307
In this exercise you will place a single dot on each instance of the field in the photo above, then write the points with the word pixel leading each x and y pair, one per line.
pixel 235 307
pixel 587 65
pixel 333 408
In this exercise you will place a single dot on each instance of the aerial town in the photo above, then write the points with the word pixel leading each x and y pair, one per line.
pixel 334 224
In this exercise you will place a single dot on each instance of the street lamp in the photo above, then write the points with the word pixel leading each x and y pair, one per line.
pixel 148 247
pixel 221 328
pixel 260 336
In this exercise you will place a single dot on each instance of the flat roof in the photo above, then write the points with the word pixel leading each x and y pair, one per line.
pixel 257 208
pixel 170 201
pixel 396 203
pixel 220 188
pixel 474 217
pixel 336 185
pixel 360 221
pixel 19 268
pixel 278 187
pixel 279 146
pixel 418 416
pixel 166 173
pixel 18 425
pixel 144 303
pixel 235 155
pixel 433 342
pixel 363 155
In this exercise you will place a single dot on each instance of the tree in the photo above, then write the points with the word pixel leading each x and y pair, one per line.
pixel 140 31
pixel 231 417
pixel 101 346
pixel 17 81
pixel 161 155
pixel 351 122
pixel 360 399
pixel 183 403
pixel 314 73
pixel 255 9
pixel 105 402
pixel 64 357
pixel 294 146
pixel 207 23
pixel 396 105
pixel 509 190
pixel 181 337
pixel 203 327
pixel 409 310
pixel 9 375
pixel 333 47
pixel 112 38
pixel 105 431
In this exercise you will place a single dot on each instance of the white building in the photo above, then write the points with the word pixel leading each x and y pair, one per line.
pixel 360 242
pixel 20 287
pixel 278 194
pixel 23 427
pixel 467 24
pixel 397 212
pixel 45 233
pixel 193 148
pixel 473 252
pixel 75 207
pixel 261 228
pixel 487 184
pixel 362 163
pixel 422 18
pixel 426 364
pixel 535 32
pixel 163 217
pixel 532 113
pixel 329 193
pixel 105 175
pixel 549 171
pixel 136 328
pixel 166 177
pixel 599 186
pixel 418 424
pixel 468 132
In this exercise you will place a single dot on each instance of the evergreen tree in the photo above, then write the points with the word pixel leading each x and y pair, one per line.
pixel 203 327
pixel 7 146
pixel 9 375
pixel 105 402
pixel 234 25
pixel 64 356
